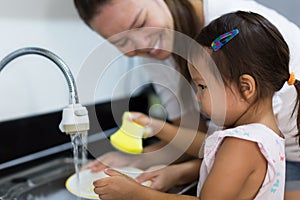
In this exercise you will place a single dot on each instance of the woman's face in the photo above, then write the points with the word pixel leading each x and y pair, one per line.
pixel 118 16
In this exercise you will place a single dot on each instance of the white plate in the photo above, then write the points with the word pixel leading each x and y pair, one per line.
pixel 85 187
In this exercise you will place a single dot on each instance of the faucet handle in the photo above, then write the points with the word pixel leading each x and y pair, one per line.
pixel 74 119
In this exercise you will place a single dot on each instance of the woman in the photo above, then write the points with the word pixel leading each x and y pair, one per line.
pixel 243 151
pixel 110 17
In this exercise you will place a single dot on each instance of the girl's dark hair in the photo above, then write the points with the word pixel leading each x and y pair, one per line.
pixel 183 13
pixel 258 50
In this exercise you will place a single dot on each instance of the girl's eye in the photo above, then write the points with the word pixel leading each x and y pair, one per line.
pixel 202 86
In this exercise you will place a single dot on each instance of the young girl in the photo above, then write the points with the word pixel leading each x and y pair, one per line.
pixel 247 159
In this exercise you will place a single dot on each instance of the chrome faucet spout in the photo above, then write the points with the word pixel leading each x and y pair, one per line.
pixel 75 116
pixel 73 98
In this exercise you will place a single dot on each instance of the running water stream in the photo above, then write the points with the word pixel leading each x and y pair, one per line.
pixel 79 143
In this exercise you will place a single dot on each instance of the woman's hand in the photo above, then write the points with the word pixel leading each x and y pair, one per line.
pixel 112 159
pixel 152 126
pixel 163 177
pixel 117 186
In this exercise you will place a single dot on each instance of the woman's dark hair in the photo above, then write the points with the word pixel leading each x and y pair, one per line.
pixel 88 9
pixel 258 50
pixel 186 22
pixel 183 13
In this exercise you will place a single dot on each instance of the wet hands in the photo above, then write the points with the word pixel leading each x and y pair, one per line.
pixel 112 159
pixel 117 186
pixel 163 177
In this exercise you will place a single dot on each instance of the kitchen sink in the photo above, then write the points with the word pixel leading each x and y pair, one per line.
pixel 46 181
pixel 36 168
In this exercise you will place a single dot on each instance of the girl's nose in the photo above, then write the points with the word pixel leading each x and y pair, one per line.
pixel 198 98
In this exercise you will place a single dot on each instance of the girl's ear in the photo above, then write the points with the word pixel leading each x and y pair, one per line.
pixel 247 87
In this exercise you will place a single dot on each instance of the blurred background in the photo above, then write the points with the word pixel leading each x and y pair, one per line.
pixel 33 91
pixel 55 25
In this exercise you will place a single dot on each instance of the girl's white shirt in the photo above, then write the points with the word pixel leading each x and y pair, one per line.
pixel 270 145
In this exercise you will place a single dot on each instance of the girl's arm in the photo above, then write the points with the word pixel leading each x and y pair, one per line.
pixel 237 173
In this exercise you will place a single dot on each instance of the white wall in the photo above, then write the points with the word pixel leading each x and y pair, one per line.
pixel 288 8
pixel 32 84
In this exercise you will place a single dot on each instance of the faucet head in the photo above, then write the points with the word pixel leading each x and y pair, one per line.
pixel 75 119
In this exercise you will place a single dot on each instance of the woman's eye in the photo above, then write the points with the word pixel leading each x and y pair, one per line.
pixel 123 43
pixel 202 86
pixel 143 24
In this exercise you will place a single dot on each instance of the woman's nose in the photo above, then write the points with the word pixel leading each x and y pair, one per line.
pixel 141 40
pixel 135 46
pixel 141 45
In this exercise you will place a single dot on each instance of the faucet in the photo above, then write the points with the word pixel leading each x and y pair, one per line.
pixel 75 117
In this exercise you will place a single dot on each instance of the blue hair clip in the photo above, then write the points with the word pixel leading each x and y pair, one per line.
pixel 223 39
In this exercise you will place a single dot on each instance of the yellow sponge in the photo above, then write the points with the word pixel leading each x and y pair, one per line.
pixel 129 137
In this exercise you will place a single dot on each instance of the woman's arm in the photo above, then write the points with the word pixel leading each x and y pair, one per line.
pixel 175 153
pixel 165 177
pixel 185 139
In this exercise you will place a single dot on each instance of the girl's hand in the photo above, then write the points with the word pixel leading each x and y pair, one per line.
pixel 163 177
pixel 112 159
pixel 118 186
